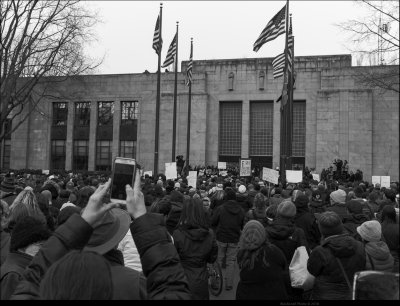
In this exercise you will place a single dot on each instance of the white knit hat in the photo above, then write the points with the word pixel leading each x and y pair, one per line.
pixel 370 231
pixel 242 189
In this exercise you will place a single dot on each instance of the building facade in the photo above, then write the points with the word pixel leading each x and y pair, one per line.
pixel 86 121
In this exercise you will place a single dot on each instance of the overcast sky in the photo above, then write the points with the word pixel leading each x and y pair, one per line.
pixel 220 30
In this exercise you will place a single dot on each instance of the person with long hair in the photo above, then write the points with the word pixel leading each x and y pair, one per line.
pixel 196 246
pixel 261 265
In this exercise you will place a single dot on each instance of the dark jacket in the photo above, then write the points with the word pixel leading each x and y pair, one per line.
pixel 5 245
pixel 196 247
pixel 229 220
pixel 253 214
pixel 276 199
pixel 378 257
pixel 317 206
pixel 161 265
pixel 340 209
pixel 307 222
pixel 351 222
pixel 252 194
pixel 244 201
pixel 11 272
pixel 390 233
pixel 173 216
pixel 264 281
pixel 8 197
pixel 330 283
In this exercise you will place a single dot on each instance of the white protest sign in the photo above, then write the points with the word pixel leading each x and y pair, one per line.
pixel 294 176
pixel 192 179
pixel 376 180
pixel 315 176
pixel 222 165
pixel 223 173
pixel 46 172
pixel 149 173
pixel 245 167
pixel 270 175
pixel 385 181
pixel 170 171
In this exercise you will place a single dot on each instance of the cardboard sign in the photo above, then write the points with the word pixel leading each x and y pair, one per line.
pixel 315 176
pixel 222 165
pixel 150 173
pixel 376 180
pixel 385 181
pixel 192 179
pixel 223 173
pixel 270 175
pixel 46 172
pixel 245 167
pixel 294 176
pixel 170 171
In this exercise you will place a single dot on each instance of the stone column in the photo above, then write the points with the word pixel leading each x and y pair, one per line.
pixel 245 129
pixel 92 135
pixel 69 144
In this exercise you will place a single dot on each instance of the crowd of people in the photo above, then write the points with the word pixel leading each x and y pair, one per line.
pixel 62 238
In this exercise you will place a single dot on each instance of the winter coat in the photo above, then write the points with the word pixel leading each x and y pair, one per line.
pixel 330 283
pixel 351 222
pixel 244 201
pixel 253 214
pixel 228 220
pixel 129 251
pixel 340 209
pixel 162 264
pixel 276 199
pixel 317 207
pixel 252 194
pixel 4 245
pixel 264 281
pixel 11 272
pixel 173 216
pixel 307 222
pixel 378 257
pixel 196 247
pixel 390 233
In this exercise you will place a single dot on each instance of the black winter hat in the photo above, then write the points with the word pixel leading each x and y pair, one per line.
pixel 28 230
pixel 230 194
pixel 301 201
pixel 52 189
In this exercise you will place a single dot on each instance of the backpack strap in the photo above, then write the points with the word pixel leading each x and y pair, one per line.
pixel 371 261
pixel 344 273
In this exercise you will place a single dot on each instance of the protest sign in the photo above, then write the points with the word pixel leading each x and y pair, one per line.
pixel 270 175
pixel 385 181
pixel 192 179
pixel 149 173
pixel 376 180
pixel 222 165
pixel 315 176
pixel 245 167
pixel 223 173
pixel 46 172
pixel 170 171
pixel 293 176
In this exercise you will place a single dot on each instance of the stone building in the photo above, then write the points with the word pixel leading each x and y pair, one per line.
pixel 86 121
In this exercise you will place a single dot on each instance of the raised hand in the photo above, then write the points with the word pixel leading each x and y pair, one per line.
pixel 135 199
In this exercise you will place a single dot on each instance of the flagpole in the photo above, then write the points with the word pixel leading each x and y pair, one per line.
pixel 189 115
pixel 175 96
pixel 158 99
pixel 290 102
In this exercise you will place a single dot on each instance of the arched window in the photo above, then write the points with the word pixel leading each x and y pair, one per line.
pixel 261 78
pixel 230 83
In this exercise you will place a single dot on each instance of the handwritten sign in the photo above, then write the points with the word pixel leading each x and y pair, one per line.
pixel 376 180
pixel 192 179
pixel 245 167
pixel 222 165
pixel 385 181
pixel 294 176
pixel 170 171
pixel 315 177
pixel 149 173
pixel 270 175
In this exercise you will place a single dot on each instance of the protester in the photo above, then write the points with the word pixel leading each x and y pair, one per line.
pixel 259 212
pixel 5 235
pixel 338 203
pixel 390 233
pixel 355 218
pixel 7 189
pixel 242 197
pixel 261 265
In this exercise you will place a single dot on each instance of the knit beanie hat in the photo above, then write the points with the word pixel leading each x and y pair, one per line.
pixel 230 194
pixel 354 207
pixel 370 231
pixel 329 223
pixel 301 201
pixel 253 235
pixel 242 189
pixel 338 196
pixel 286 209
pixel 28 230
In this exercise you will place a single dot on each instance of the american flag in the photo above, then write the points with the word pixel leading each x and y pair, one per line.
pixel 290 47
pixel 157 45
pixel 170 54
pixel 190 66
pixel 278 64
pixel 274 28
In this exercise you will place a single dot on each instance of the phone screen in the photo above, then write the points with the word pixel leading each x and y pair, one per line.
pixel 123 175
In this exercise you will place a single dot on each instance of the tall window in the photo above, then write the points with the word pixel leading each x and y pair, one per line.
pixel 82 113
pixel 127 148
pixel 261 78
pixel 58 154
pixel 6 153
pixel 105 113
pixel 299 134
pixel 129 112
pixel 231 78
pixel 230 129
pixel 60 113
pixel 103 155
pixel 81 154
pixel 261 128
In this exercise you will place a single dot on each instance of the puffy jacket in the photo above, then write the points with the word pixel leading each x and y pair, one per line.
pixel 330 283
pixel 129 251
pixel 378 257
pixel 228 220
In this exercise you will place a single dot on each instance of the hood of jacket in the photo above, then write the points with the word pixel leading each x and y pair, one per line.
pixel 241 197
pixel 355 218
pixel 315 203
pixel 281 228
pixel 232 207
pixel 341 245
pixel 378 250
pixel 197 234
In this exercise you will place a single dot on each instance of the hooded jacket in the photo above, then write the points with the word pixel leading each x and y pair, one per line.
pixel 196 247
pixel 378 257
pixel 330 283
pixel 340 209
pixel 228 220
pixel 351 222
pixel 244 201
pixel 307 222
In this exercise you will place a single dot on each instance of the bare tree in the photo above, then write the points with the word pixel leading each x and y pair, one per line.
pixel 40 39
pixel 374 39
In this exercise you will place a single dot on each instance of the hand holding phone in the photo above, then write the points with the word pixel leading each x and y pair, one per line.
pixel 135 199
pixel 124 173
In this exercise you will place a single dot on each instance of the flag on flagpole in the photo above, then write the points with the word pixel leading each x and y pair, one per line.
pixel 190 67
pixel 290 46
pixel 278 64
pixel 157 37
pixel 274 28
pixel 170 54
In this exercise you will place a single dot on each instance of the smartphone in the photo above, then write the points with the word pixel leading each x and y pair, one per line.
pixel 124 172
